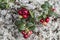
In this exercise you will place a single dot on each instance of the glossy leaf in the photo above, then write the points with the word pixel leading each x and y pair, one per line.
pixel 3 5
pixel 30 24
pixel 32 28
pixel 32 14
pixel 22 27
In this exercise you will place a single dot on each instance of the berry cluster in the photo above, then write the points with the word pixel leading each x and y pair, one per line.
pixel 23 12
pixel 45 21
pixel 26 34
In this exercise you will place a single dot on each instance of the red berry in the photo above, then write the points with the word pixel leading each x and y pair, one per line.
pixel 23 32
pixel 47 19
pixel 25 16
pixel 42 20
pixel 53 9
pixel 44 23
pixel 30 32
pixel 26 36
pixel 25 11
pixel 20 12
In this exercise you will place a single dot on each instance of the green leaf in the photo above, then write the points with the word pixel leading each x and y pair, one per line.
pixel 30 24
pixel 5 1
pixel 40 17
pixel 32 27
pixel 22 27
pixel 32 14
pixel 12 0
pixel 50 12
pixel 23 20
pixel 19 30
pixel 56 15
pixel 1 0
pixel 18 22
pixel 44 16
pixel 46 5
pixel 7 6
pixel 3 5
pixel 32 20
